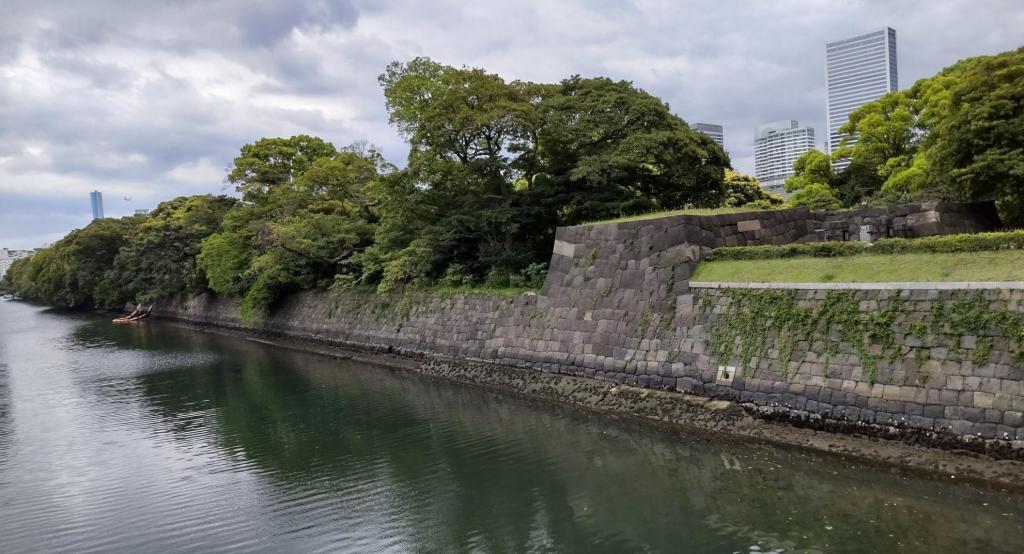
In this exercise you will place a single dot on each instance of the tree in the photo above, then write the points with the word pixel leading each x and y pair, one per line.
pixel 810 185
pixel 608 149
pixel 879 140
pixel 744 191
pixel 159 258
pixel 463 127
pixel 977 151
pixel 495 166
pixel 70 272
pixel 955 135
pixel 270 162
pixel 297 229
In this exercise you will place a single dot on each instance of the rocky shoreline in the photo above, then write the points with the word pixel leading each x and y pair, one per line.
pixel 950 457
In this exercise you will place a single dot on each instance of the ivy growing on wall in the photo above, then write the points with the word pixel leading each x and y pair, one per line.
pixel 746 324
pixel 752 317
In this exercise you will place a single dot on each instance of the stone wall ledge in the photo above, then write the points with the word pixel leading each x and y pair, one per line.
pixel 950 285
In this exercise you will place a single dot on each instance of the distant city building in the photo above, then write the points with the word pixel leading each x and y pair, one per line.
pixel 776 146
pixel 96 197
pixel 7 258
pixel 714 131
pixel 857 71
pixel 141 212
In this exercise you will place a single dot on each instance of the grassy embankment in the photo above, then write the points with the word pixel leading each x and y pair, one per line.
pixel 870 268
pixel 968 257
pixel 690 211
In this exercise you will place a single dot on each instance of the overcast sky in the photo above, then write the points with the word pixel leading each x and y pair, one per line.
pixel 151 100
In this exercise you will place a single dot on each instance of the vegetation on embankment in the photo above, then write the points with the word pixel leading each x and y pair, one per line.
pixel 957 135
pixel 869 268
pixel 493 168
pixel 976 242
pixel 968 257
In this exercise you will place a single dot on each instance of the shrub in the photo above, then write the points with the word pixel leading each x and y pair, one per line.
pixel 977 242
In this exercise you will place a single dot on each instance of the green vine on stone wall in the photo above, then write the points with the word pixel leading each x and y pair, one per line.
pixel 752 316
pixel 975 316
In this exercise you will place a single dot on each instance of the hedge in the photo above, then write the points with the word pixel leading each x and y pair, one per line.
pixel 975 242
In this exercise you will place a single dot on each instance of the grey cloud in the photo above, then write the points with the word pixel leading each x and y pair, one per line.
pixel 129 96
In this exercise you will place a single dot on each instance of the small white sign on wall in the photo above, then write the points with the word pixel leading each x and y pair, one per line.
pixel 725 375
pixel 865 233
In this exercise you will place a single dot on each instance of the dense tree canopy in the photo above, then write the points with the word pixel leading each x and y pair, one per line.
pixel 303 228
pixel 158 258
pixel 494 167
pixel 70 273
pixel 957 135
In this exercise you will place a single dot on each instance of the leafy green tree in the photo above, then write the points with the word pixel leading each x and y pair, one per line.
pixel 159 258
pixel 463 126
pixel 607 149
pixel 70 273
pixel 303 231
pixel 744 191
pixel 885 135
pixel 977 151
pixel 270 162
pixel 955 135
pixel 811 183
pixel 494 167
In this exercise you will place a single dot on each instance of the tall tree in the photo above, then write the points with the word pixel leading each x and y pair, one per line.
pixel 494 167
pixel 304 231
pixel 811 183
pixel 70 272
pixel 608 149
pixel 977 151
pixel 159 258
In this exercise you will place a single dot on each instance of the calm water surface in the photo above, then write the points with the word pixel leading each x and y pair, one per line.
pixel 153 438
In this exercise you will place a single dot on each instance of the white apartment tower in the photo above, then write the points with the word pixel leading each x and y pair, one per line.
pixel 776 146
pixel 857 71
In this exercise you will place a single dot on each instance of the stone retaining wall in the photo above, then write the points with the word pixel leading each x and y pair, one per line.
pixel 929 384
pixel 618 305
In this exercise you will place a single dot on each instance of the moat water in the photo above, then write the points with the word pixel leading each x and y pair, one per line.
pixel 154 438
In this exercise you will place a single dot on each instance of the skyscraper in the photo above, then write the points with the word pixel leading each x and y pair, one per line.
pixel 857 71
pixel 776 146
pixel 96 197
pixel 714 131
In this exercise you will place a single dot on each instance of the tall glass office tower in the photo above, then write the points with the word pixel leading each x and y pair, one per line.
pixel 96 198
pixel 857 71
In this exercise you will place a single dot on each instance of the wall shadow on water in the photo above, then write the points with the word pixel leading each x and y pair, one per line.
pixel 444 468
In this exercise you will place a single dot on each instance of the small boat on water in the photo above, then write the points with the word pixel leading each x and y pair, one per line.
pixel 138 315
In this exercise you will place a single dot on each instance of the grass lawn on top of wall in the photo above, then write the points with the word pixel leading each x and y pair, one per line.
pixel 1006 265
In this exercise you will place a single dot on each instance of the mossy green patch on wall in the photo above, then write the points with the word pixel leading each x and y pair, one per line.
pixel 757 326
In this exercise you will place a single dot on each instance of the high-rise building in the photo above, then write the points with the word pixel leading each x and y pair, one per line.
pixel 714 131
pixel 857 71
pixel 96 197
pixel 776 146
pixel 7 257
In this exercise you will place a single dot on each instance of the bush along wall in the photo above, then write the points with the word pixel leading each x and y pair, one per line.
pixel 980 242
